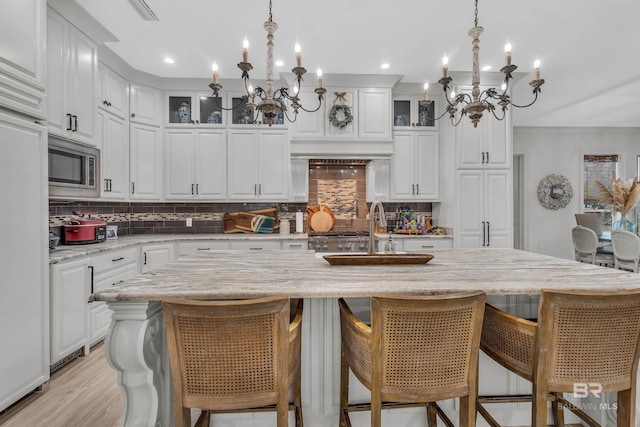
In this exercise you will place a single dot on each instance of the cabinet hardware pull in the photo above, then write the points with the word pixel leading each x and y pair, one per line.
pixel 110 185
pixel 259 189
pixel 487 157
pixel 427 246
pixel 192 189
pixel 133 188
pixel 413 189
pixel 117 259
pixel 417 188
pixel 483 157
pixel 106 185
pixel 488 233
pixel 197 188
pixel 75 123
pixel 255 189
pixel 299 245
pixel 117 283
pixel 109 104
pixel 105 102
pixel 133 114
pixel 255 249
pixel 69 127
pixel 91 268
pixel 484 238
pixel 204 249
pixel 145 259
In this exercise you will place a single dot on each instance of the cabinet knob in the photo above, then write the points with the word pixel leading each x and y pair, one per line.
pixel 133 114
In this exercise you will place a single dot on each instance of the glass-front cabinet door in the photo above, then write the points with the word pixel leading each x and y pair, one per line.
pixel 408 113
pixel 194 109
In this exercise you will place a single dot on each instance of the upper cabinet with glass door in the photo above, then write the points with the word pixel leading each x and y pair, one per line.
pixel 409 114
pixel 194 109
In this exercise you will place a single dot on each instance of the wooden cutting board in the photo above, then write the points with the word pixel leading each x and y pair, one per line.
pixel 240 222
pixel 321 218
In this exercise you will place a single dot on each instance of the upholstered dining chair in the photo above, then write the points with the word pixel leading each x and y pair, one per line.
pixel 418 350
pixel 585 244
pixel 579 337
pixel 626 249
pixel 229 356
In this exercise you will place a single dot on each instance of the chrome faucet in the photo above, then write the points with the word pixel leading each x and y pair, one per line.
pixel 372 219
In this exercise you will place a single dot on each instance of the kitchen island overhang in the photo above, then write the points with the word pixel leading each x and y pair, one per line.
pixel 135 341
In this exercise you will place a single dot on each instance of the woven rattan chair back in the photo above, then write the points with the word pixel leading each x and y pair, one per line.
pixel 626 249
pixel 232 355
pixel 580 338
pixel 417 351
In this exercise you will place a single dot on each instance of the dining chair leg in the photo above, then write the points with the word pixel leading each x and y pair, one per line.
pixel 204 419
pixel 626 407
pixel 344 390
pixel 539 408
pixel 557 411
pixel 431 415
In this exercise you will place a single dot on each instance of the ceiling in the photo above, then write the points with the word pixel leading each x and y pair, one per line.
pixel 588 49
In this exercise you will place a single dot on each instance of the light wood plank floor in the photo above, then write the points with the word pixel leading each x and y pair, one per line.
pixel 83 393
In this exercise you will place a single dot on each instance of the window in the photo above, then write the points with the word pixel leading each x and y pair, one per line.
pixel 603 168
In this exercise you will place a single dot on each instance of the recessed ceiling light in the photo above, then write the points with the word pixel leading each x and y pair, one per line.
pixel 384 66
pixel 279 63
pixel 169 60
pixel 486 68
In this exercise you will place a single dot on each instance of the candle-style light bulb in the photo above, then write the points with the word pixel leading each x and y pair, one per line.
pixel 250 89
pixel 536 71
pixel 214 68
pixel 245 50
pixel 296 89
pixel 445 65
pixel 503 86
pixel 425 91
pixel 319 73
pixel 453 94
pixel 298 54
pixel 507 51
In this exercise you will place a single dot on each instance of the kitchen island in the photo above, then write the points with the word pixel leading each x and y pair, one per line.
pixel 135 342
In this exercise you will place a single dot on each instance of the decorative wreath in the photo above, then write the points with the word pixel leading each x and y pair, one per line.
pixel 554 192
pixel 340 115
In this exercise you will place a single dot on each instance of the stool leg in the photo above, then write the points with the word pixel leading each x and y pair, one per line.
pixel 431 415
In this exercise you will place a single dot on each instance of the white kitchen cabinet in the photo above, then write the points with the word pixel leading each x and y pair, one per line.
pixel 190 248
pixel 114 155
pixel 378 180
pixel 409 114
pixel 255 245
pixel 484 207
pixel 145 105
pixel 374 110
pixel 425 243
pixel 415 170
pixel 108 269
pixel 72 69
pixel 155 256
pixel 23 59
pixel 196 164
pixel 112 91
pixel 145 145
pixel 297 244
pixel 310 125
pixel 188 109
pixel 24 293
pixel 70 287
pixel 485 146
pixel 258 165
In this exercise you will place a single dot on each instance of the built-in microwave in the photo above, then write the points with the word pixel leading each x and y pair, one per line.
pixel 74 170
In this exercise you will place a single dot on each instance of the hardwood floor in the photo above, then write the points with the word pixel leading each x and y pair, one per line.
pixel 83 393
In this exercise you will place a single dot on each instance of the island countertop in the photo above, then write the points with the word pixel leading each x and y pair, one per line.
pixel 301 274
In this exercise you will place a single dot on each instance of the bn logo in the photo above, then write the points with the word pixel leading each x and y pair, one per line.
pixel 583 389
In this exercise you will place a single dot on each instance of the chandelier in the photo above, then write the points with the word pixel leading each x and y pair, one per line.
pixel 267 101
pixel 489 99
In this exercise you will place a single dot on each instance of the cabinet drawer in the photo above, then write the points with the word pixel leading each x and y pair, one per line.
pixel 188 248
pixel 255 245
pixel 425 244
pixel 113 259
pixel 295 244
pixel 116 277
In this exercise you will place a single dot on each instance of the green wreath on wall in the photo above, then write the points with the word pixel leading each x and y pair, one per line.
pixel 340 115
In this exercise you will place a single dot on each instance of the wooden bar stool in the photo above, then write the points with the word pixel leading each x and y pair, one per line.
pixel 234 356
pixel 580 338
pixel 418 350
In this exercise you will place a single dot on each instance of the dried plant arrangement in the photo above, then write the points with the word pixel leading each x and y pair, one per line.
pixel 622 195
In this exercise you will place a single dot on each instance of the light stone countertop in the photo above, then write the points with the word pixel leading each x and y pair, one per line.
pixel 301 274
pixel 67 252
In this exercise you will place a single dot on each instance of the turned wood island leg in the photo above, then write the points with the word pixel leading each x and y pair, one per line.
pixel 134 347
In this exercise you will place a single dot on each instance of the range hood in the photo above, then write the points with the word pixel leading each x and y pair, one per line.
pixel 338 162
pixel 341 149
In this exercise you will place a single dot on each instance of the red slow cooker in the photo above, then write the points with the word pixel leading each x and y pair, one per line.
pixel 82 231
